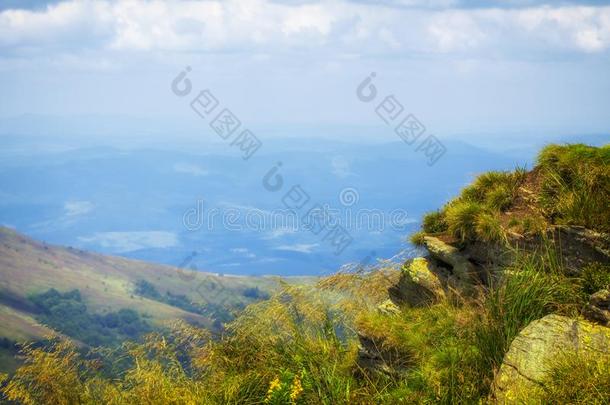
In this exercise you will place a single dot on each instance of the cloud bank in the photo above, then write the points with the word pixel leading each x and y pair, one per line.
pixel 266 26
pixel 460 66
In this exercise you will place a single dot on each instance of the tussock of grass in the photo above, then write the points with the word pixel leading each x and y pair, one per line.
pixel 461 217
pixel 500 197
pixel 473 215
pixel 434 222
pixel 493 189
pixel 488 228
pixel 417 238
pixel 574 189
pixel 576 184
pixel 595 277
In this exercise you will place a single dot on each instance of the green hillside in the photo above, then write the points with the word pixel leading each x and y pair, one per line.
pixel 107 285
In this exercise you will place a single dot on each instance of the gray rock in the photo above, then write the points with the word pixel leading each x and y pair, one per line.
pixel 462 268
pixel 598 309
pixel 532 352
pixel 388 307
pixel 419 285
pixel 376 358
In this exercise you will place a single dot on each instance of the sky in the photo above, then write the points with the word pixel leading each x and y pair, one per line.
pixel 461 67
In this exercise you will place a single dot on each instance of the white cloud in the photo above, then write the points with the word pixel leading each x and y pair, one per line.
pixel 73 211
pixel 77 208
pixel 192 169
pixel 317 19
pixel 121 242
pixel 456 31
pixel 244 252
pixel 340 167
pixel 298 247
pixel 280 232
pixel 583 28
pixel 264 26
pixel 570 28
pixel 65 24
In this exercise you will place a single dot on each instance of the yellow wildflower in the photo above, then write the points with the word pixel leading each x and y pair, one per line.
pixel 297 388
pixel 273 386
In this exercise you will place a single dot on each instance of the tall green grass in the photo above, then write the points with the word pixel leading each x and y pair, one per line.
pixel 434 222
pixel 456 346
pixel 574 189
pixel 474 214
pixel 534 286
pixel 576 184
pixel 461 217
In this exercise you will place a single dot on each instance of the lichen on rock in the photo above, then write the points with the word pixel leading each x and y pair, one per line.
pixel 419 284
pixel 532 352
pixel 462 269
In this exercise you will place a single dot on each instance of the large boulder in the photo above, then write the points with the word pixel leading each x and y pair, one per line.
pixel 532 352
pixel 419 284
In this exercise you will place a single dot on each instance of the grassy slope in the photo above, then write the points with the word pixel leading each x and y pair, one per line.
pixel 106 283
pixel 569 185
pixel 20 326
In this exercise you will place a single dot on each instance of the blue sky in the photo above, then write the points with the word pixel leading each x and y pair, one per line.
pixel 461 66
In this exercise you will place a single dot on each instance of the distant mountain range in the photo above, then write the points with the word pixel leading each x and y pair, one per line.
pixel 131 201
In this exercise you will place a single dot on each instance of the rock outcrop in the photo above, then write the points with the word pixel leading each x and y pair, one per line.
pixel 533 351
pixel 598 308
pixel 461 268
pixel 376 358
pixel 419 284
pixel 581 246
pixel 388 307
